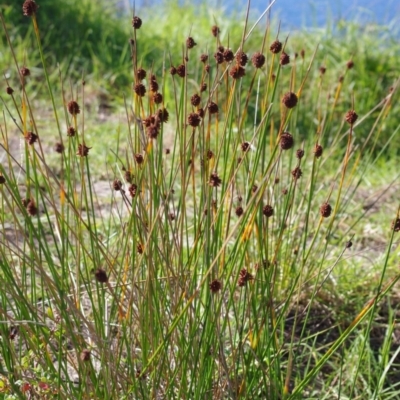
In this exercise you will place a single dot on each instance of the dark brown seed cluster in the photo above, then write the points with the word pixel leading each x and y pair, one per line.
pixel 162 114
pixel 153 84
pixel 239 211
pixel 172 70
pixel 349 244
pixel 153 125
pixel 213 108
pixel 286 141
pixel 157 98
pixel 2 180
pixel 117 185
pixel 101 275
pixel 302 53
pixel 228 55
pixel 141 74
pixel 290 99
pixel 268 211
pixel 237 72
pixel 284 59
pixel 204 58
pixel 59 147
pixel 190 43
pixel 83 150
pixel 215 30
pixel 244 277
pixel 71 131
pixel 139 158
pixel 136 22
pixel 195 100
pixel 350 64
pixel 325 210
pixel 299 153
pixel 297 173
pixel 215 286
pixel 194 119
pixel 140 248
pixel 258 60
pixel 181 70
pixel 210 154
pixel 276 47
pixel 85 355
pixel 128 175
pixel 203 87
pixel 25 71
pixel 29 8
pixel 215 180
pixel 242 58
pixel 9 90
pixel 132 190
pixel 31 207
pixel 31 138
pixel 351 117
pixel 73 107
pixel 219 57
pixel 318 150
pixel 139 89
pixel 245 146
pixel 396 225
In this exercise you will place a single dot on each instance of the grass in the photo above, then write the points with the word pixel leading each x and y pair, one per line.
pixel 201 256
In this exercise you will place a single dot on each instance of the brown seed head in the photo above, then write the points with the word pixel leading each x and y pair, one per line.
pixel 215 30
pixel 244 277
pixel 325 210
pixel 349 244
pixel 341 78
pixel 351 117
pixel 203 87
pixel 194 119
pixel 396 225
pixel 71 131
pixel 101 275
pixel 190 43
pixel 204 58
pixel 31 138
pixel 200 111
pixel 73 107
pixel 254 188
pixel 195 100
pixel 162 115
pixel 239 211
pixel 302 53
pixel 300 154
pixel 139 158
pixel 322 70
pixel 245 146
pixel 153 85
pixel 213 108
pixel 276 47
pixel 31 208
pixel 181 70
pixel 284 59
pixel 139 89
pixel 228 55
pixel 258 60
pixel 132 190
pixel 141 74
pixel 59 147
pixel 290 99
pixel 172 70
pixel 286 141
pixel 207 68
pixel 318 150
pixel 242 58
pixel 117 185
pixel 297 173
pixel 237 72
pixel 128 176
pixel 29 8
pixel 140 248
pixel 268 211
pixel 215 180
pixel 2 180
pixel 83 150
pixel 136 22
pixel 215 286
pixel 210 154
pixel 9 90
pixel 157 98
pixel 219 57
pixel 350 64
pixel 85 355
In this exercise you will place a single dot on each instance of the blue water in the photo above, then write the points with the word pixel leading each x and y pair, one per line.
pixel 295 14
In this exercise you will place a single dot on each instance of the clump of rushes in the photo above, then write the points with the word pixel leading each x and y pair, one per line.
pixel 325 210
pixel 136 22
pixel 318 150
pixel 101 275
pixel 351 117
pixel 276 47
pixel 215 286
pixel 286 141
pixel 244 277
pixel 290 99
pixel 258 60
pixel 284 59
pixel 29 8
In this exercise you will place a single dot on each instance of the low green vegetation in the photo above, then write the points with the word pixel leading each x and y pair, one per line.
pixel 195 208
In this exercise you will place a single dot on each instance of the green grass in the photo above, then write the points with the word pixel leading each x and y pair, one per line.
pixel 177 285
